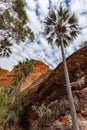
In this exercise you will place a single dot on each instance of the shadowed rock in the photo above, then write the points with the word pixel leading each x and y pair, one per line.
pixel 52 93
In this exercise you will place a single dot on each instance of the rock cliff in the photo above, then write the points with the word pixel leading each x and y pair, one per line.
pixel 4 79
pixel 49 88
pixel 52 93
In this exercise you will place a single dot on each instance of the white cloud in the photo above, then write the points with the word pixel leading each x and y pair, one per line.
pixel 34 21
pixel 31 4
pixel 82 21
pixel 78 6
pixel 84 34
pixel 43 7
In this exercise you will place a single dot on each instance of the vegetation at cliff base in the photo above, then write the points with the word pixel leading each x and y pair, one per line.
pixel 9 95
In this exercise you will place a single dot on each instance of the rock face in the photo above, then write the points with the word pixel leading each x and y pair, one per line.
pixel 39 69
pixel 52 93
pixel 49 88
pixel 4 77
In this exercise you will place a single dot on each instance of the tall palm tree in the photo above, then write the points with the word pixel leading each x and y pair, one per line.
pixel 61 28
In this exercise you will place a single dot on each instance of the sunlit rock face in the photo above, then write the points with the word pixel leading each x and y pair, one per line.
pixel 52 93
pixel 4 79
pixel 39 68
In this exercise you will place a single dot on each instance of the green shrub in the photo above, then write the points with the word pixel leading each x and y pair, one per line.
pixel 41 110
pixel 9 95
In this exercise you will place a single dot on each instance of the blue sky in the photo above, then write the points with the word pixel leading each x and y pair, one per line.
pixel 37 10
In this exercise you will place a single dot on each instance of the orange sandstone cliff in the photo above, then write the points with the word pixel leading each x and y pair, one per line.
pixel 39 69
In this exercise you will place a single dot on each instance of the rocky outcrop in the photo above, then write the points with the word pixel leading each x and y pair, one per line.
pixel 39 67
pixel 52 93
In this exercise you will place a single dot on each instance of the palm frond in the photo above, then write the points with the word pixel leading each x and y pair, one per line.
pixel 73 26
pixel 72 19
pixel 52 34
pixel 47 30
pixel 74 34
pixel 58 42
pixel 51 19
pixel 48 21
pixel 50 40
pixel 60 21
pixel 60 11
pixel 65 42
pixel 67 37
pixel 52 16
pixel 61 24
pixel 65 15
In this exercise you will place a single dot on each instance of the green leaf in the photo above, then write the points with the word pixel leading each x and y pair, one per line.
pixel 9 116
pixel 19 8
pixel 49 112
pixel 34 107
pixel 2 116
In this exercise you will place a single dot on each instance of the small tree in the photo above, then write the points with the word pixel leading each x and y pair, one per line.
pixel 61 28
pixel 21 71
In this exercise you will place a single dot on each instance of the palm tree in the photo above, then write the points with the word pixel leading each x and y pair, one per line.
pixel 26 67
pixel 22 70
pixel 61 28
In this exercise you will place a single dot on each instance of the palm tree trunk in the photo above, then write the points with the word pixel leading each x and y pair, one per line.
pixel 75 125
